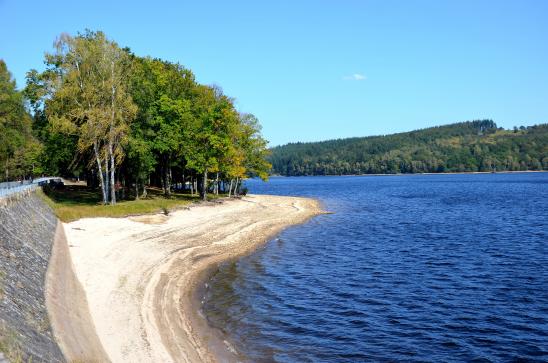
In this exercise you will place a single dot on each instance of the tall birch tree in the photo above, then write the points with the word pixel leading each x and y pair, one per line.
pixel 88 98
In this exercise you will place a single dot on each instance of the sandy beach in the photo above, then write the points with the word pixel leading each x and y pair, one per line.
pixel 142 275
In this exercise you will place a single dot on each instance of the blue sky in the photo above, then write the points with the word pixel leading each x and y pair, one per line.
pixel 315 70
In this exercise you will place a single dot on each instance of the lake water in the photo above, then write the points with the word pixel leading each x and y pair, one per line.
pixel 408 268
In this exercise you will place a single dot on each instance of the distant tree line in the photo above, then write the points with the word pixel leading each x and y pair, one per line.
pixel 123 122
pixel 461 147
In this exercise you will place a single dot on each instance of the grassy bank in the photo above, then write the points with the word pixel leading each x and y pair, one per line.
pixel 74 202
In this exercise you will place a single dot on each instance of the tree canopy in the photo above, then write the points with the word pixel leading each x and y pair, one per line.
pixel 125 122
pixel 19 149
pixel 462 147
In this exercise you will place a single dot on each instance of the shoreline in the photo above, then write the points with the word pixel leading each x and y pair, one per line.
pixel 144 276
pixel 414 174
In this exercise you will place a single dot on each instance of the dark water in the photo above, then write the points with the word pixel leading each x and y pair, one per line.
pixel 409 268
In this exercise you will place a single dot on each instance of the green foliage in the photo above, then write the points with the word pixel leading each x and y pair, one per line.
pixel 190 129
pixel 58 149
pixel 98 108
pixel 162 92
pixel 85 86
pixel 20 153
pixel 210 135
pixel 462 147
pixel 254 146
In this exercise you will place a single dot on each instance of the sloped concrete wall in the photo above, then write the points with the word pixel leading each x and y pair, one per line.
pixel 27 231
pixel 44 315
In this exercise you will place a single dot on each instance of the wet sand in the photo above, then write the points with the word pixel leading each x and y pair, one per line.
pixel 142 275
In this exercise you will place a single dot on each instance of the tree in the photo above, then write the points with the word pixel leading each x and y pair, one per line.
pixel 163 92
pixel 254 147
pixel 210 138
pixel 140 162
pixel 87 97
pixel 125 118
pixel 59 150
pixel 19 150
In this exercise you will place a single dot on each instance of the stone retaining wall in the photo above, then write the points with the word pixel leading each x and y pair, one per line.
pixel 27 232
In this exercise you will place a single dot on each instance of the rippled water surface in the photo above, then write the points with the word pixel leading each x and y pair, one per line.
pixel 408 268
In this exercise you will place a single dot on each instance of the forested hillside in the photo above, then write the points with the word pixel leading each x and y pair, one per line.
pixel 462 147
pixel 123 122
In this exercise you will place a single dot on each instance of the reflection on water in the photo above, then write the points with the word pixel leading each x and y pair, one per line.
pixel 409 268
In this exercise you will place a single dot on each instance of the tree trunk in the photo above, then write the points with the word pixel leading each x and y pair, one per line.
pixel 112 179
pixel 204 185
pixel 166 182
pixel 111 139
pixel 217 184
pixel 230 188
pixel 162 178
pixel 102 180
pixel 169 178
pixel 123 184
pixel 107 179
pixel 137 189
pixel 237 188
pixel 144 195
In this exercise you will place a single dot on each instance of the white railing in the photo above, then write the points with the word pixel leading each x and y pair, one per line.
pixel 10 188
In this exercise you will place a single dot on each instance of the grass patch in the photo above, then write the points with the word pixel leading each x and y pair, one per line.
pixel 74 202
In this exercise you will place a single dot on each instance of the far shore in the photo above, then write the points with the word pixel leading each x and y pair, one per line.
pixel 411 174
pixel 143 275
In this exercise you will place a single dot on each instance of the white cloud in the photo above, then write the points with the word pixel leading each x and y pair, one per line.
pixel 355 77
